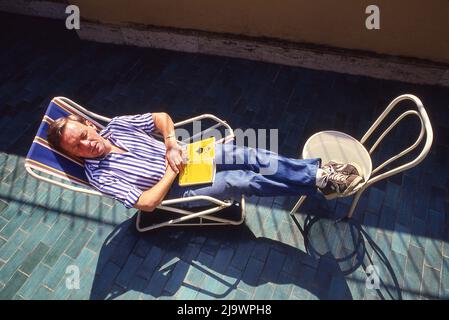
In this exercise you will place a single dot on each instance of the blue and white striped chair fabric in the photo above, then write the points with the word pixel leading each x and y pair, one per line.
pixel 41 157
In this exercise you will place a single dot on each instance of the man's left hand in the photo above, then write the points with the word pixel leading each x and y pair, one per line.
pixel 174 156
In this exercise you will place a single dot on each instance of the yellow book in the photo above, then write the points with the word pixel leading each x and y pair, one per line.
pixel 200 167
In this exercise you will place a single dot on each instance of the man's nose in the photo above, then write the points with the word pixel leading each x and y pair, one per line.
pixel 86 143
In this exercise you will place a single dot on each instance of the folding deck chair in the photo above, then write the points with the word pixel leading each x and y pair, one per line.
pixel 43 160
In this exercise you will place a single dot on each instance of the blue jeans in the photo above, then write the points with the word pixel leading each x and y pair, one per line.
pixel 252 172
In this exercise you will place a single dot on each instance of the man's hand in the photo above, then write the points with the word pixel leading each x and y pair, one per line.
pixel 165 126
pixel 169 172
pixel 175 156
pixel 153 197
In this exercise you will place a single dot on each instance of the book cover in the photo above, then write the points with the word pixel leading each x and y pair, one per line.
pixel 200 167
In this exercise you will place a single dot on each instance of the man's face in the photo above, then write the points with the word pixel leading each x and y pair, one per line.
pixel 83 140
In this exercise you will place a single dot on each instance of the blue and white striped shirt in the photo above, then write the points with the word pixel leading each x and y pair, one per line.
pixel 125 176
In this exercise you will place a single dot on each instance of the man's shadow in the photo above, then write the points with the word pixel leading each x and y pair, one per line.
pixel 215 261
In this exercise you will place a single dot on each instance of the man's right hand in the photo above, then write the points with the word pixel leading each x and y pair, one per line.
pixel 152 197
pixel 172 173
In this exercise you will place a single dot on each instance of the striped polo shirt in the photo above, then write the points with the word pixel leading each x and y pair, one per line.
pixel 125 176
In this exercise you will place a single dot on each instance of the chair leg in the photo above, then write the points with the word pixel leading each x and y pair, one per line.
pixel 354 204
pixel 351 210
pixel 298 204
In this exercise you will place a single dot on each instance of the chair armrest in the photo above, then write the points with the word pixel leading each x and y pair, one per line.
pixel 220 122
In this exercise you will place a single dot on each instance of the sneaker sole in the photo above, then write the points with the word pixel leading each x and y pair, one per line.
pixel 331 196
pixel 354 184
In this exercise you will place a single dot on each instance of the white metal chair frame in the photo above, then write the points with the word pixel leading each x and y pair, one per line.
pixel 166 205
pixel 426 129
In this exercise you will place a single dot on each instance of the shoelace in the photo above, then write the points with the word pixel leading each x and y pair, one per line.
pixel 340 167
pixel 327 171
pixel 338 177
pixel 332 175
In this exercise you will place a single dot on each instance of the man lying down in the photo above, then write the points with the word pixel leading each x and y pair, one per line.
pixel 126 162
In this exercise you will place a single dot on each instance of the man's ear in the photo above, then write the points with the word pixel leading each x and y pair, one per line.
pixel 90 124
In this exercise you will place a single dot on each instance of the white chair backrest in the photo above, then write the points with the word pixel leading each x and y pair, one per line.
pixel 426 129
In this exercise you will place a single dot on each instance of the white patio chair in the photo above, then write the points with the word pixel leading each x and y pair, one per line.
pixel 42 159
pixel 339 146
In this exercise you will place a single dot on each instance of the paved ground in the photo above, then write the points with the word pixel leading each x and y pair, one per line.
pixel 401 225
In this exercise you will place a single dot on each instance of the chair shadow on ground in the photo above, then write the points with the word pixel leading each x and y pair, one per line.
pixel 157 264
pixel 350 247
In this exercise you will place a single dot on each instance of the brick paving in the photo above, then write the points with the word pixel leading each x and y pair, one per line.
pixel 401 224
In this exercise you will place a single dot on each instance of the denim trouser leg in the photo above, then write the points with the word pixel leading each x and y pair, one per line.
pixel 267 163
pixel 258 172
